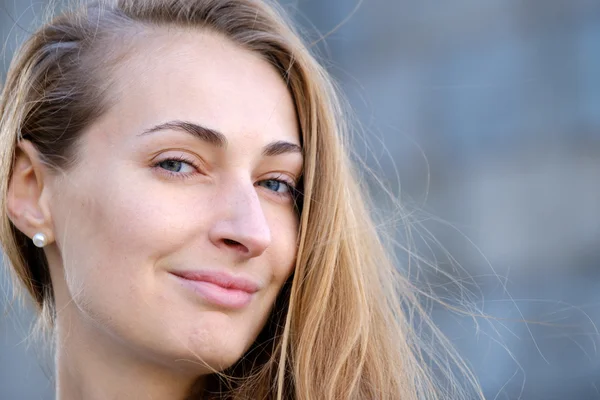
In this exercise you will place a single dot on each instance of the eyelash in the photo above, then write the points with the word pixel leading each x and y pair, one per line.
pixel 291 193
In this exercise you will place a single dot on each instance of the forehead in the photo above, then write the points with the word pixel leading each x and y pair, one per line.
pixel 202 77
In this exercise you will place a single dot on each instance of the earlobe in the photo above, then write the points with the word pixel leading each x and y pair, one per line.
pixel 27 206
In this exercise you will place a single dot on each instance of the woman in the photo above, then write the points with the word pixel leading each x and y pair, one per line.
pixel 179 204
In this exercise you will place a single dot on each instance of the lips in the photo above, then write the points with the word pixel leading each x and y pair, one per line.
pixel 219 288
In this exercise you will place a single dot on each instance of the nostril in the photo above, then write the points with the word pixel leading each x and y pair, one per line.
pixel 232 243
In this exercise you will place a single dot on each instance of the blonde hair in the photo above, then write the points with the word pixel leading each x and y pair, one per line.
pixel 343 326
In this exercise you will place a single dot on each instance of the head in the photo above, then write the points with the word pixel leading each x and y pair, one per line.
pixel 185 160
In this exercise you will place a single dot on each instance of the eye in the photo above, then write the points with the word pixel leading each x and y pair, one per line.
pixel 176 166
pixel 276 185
pixel 280 186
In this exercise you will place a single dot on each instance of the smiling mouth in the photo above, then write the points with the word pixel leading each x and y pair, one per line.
pixel 218 288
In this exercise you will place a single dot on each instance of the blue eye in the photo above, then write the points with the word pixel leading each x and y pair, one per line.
pixel 174 165
pixel 275 185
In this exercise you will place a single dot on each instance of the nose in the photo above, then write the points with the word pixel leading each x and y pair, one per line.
pixel 240 225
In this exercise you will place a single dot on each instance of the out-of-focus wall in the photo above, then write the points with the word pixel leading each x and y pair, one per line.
pixel 485 115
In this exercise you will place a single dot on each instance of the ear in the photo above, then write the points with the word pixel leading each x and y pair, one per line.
pixel 27 200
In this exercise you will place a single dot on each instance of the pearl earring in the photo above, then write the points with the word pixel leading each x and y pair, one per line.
pixel 39 239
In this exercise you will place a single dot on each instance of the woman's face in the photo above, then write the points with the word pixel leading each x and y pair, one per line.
pixel 177 227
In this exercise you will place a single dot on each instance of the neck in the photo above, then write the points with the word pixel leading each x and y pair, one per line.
pixel 91 365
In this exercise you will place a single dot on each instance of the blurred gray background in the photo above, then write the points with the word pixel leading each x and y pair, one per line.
pixel 484 115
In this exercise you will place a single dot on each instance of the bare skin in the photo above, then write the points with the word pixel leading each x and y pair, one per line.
pixel 152 197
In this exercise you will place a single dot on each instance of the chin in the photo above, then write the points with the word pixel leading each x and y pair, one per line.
pixel 207 361
pixel 214 345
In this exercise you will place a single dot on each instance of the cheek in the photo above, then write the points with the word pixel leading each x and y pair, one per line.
pixel 284 248
pixel 111 239
pixel 112 235
pixel 129 218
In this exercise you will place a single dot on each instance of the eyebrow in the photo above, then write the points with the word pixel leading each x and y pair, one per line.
pixel 217 139
pixel 201 132
pixel 281 147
